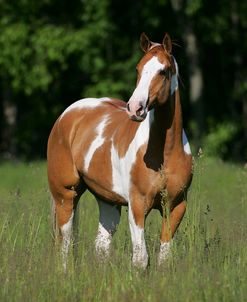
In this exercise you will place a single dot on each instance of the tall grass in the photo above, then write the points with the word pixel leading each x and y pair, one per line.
pixel 208 262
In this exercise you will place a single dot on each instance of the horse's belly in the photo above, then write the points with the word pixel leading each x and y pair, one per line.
pixel 103 190
pixel 101 177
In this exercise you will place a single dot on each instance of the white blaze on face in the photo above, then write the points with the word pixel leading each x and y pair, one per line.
pixel 140 94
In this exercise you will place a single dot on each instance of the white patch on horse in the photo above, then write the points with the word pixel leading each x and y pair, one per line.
pixel 186 144
pixel 66 231
pixel 140 255
pixel 98 141
pixel 108 221
pixel 121 167
pixel 85 103
pixel 174 79
pixel 121 179
pixel 165 249
pixel 150 69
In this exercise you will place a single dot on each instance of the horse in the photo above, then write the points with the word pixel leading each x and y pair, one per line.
pixel 133 154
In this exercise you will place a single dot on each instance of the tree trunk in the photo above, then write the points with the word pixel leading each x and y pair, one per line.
pixel 195 72
pixel 238 82
pixel 9 113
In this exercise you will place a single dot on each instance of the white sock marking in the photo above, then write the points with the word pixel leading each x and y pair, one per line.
pixel 99 140
pixel 165 249
pixel 108 221
pixel 103 241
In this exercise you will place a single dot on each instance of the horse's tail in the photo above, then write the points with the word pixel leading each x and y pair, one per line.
pixel 55 229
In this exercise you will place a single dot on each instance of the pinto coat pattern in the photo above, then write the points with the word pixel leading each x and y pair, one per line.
pixel 135 154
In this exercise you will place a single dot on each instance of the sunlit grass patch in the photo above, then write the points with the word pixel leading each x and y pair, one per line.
pixel 209 252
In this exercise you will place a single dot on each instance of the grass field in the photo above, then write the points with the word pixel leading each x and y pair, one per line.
pixel 209 260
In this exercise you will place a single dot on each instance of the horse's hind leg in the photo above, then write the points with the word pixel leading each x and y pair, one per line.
pixel 109 217
pixel 65 203
pixel 65 183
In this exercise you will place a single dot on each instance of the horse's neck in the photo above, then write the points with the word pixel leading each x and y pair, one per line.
pixel 168 122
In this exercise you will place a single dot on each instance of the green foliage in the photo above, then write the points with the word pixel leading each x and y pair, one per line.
pixel 14 53
pixel 35 55
pixel 55 52
pixel 215 142
pixel 193 6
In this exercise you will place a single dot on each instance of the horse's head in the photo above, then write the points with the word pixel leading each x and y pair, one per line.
pixel 156 77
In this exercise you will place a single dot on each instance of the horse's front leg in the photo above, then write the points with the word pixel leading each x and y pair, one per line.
pixel 170 223
pixel 136 223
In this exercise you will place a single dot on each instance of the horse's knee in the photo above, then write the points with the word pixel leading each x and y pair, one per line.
pixel 63 212
pixel 63 204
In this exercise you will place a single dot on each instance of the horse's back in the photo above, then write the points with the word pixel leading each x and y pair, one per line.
pixel 85 113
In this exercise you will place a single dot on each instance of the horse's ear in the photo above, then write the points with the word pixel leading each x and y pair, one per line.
pixel 145 43
pixel 167 43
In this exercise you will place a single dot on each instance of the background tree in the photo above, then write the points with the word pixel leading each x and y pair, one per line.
pixel 55 52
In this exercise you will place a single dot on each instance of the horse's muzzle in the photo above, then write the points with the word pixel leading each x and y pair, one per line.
pixel 136 111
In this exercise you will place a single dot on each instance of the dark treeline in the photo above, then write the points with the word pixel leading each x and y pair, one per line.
pixel 54 52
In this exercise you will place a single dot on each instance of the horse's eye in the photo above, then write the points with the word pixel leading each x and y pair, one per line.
pixel 163 72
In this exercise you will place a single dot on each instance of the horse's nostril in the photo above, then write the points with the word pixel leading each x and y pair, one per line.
pixel 138 112
pixel 128 107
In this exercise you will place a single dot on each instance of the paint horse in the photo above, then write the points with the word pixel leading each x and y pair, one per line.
pixel 135 155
